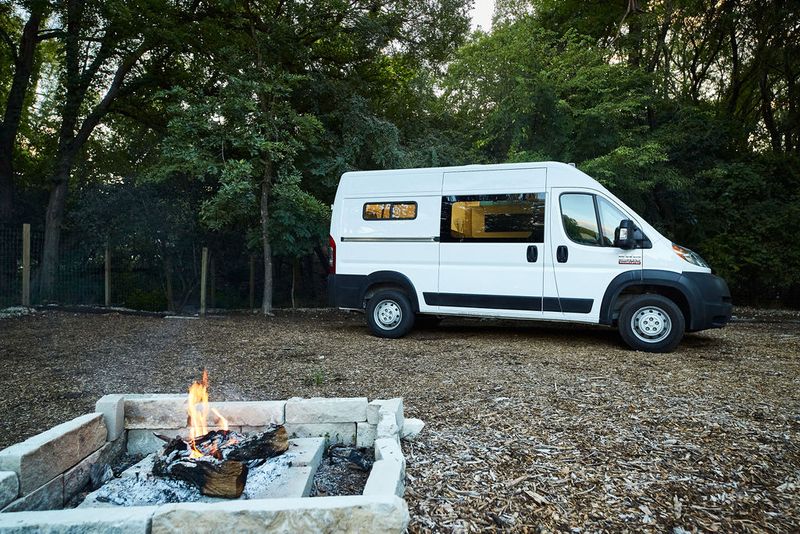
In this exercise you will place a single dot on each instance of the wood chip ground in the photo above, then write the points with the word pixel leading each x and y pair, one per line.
pixel 529 427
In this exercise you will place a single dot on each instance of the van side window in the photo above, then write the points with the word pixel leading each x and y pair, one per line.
pixel 507 218
pixel 610 218
pixel 580 218
pixel 377 211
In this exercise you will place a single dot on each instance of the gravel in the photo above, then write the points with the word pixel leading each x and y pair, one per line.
pixel 529 426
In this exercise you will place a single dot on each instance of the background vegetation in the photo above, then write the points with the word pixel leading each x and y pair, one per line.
pixel 163 125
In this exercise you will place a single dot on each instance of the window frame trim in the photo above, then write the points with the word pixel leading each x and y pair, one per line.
pixel 391 209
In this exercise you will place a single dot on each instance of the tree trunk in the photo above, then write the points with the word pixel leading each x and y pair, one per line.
pixel 23 67
pixel 266 187
pixel 168 283
pixel 54 217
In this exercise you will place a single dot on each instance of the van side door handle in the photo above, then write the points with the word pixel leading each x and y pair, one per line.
pixel 533 253
pixel 562 254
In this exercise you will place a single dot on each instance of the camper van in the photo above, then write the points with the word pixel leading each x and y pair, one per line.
pixel 531 241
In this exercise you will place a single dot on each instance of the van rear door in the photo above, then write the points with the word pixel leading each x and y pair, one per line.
pixel 585 261
pixel 492 253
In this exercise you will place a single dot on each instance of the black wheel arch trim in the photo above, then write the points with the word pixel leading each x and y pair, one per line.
pixel 706 295
pixel 392 277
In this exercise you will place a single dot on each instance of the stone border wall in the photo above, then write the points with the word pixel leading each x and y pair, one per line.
pixel 47 471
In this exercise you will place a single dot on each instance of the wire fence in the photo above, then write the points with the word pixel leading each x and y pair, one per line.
pixel 152 275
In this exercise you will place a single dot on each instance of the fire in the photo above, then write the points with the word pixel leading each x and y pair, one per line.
pixel 198 414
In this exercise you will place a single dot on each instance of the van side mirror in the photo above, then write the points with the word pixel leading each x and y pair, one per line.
pixel 625 235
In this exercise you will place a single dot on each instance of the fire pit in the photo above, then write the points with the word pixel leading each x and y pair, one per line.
pixel 226 465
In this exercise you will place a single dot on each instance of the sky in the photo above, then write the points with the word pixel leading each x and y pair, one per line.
pixel 482 14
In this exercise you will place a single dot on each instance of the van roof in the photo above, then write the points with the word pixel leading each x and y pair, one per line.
pixel 558 173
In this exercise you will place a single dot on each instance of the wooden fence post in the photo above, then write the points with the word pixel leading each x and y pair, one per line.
pixel 108 275
pixel 203 277
pixel 26 264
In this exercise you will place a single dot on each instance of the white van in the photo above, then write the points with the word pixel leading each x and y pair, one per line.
pixel 514 241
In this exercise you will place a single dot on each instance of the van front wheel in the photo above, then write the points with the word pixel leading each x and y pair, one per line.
pixel 651 323
pixel 389 314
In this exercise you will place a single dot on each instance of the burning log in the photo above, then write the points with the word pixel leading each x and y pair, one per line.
pixel 217 462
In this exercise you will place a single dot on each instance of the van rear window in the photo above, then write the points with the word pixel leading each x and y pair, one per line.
pixel 387 211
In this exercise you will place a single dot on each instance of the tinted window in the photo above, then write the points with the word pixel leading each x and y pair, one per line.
pixel 580 219
pixel 493 218
pixel 610 218
pixel 375 211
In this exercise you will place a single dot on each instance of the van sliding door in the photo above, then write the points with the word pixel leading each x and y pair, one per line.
pixel 492 235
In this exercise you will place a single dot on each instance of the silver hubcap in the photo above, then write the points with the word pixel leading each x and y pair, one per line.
pixel 388 314
pixel 651 324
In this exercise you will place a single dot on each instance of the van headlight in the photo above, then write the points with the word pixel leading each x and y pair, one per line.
pixel 690 256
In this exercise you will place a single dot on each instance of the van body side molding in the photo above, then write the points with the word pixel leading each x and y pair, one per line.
pixel 390 239
pixel 508 302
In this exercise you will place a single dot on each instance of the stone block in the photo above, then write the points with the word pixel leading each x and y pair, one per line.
pixel 76 478
pixel 295 482
pixel 134 520
pixel 394 406
pixel 41 458
pixel 326 410
pixel 9 487
pixel 49 496
pixel 155 411
pixel 366 434
pixel 336 433
pixel 411 428
pixel 387 426
pixel 306 451
pixel 385 478
pixel 251 414
pixel 389 449
pixel 357 514
pixel 113 409
pixel 142 441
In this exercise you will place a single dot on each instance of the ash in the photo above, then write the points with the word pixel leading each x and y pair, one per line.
pixel 137 486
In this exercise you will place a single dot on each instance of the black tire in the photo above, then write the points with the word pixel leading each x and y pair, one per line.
pixel 389 314
pixel 425 321
pixel 651 323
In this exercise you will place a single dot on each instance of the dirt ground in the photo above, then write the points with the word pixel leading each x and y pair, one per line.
pixel 529 427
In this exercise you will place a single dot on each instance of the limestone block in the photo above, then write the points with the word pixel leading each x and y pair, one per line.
pixel 76 478
pixel 143 440
pixel 50 496
pixel 251 414
pixel 296 482
pixel 326 410
pixel 113 409
pixel 41 458
pixel 394 406
pixel 352 514
pixel 387 426
pixel 366 434
pixel 385 478
pixel 306 451
pixel 135 520
pixel 411 428
pixel 337 433
pixel 9 487
pixel 389 449
pixel 155 411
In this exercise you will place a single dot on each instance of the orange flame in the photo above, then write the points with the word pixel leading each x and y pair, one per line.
pixel 198 414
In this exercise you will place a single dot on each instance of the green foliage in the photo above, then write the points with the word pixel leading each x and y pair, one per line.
pixel 299 222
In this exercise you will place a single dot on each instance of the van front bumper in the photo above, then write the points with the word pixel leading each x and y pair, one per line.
pixel 713 306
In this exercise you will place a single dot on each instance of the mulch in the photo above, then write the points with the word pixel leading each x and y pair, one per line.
pixel 529 426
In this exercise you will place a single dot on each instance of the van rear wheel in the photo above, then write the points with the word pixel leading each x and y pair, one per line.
pixel 651 323
pixel 389 314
